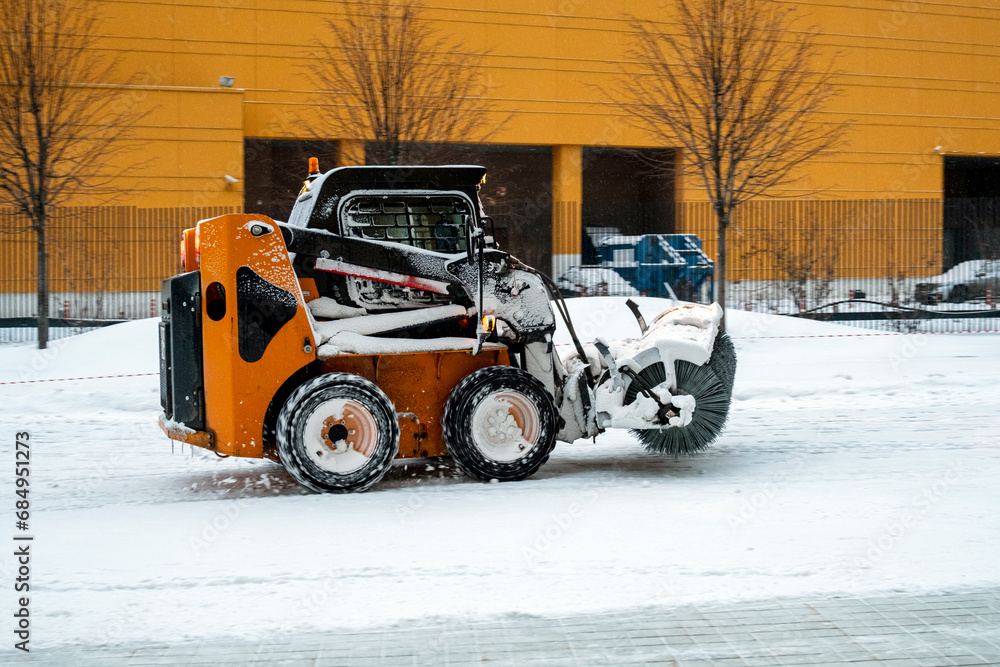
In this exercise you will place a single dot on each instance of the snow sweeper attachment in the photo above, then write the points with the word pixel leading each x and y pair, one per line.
pixel 382 321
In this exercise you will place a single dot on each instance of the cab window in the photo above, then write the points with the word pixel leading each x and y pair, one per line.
pixel 431 223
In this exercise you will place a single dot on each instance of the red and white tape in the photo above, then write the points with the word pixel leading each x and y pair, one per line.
pixel 92 377
pixel 858 335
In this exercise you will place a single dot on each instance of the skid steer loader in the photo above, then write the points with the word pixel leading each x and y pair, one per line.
pixel 382 321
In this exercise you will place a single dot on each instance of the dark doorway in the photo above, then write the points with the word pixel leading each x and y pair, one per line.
pixel 517 195
pixel 971 209
pixel 273 172
pixel 628 189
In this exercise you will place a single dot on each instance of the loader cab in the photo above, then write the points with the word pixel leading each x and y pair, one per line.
pixel 432 208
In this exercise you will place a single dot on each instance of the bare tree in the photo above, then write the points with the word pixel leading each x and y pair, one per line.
pixel 806 259
pixel 732 85
pixel 61 117
pixel 386 75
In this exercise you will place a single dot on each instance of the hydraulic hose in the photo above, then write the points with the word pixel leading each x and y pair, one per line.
pixel 556 297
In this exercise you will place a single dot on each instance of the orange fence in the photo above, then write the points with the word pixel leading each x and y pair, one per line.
pixel 124 252
pixel 98 249
pixel 870 238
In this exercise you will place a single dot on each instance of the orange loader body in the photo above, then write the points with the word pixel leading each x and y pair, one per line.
pixel 382 320
pixel 240 395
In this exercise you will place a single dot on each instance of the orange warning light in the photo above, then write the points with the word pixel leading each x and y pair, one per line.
pixel 488 323
pixel 313 166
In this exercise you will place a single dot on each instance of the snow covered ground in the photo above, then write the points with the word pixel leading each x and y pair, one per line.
pixel 851 465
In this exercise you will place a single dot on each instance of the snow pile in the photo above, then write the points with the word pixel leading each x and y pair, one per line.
pixel 684 332
pixel 610 318
pixel 974 269
pixel 368 325
pixel 330 309
pixel 134 345
pixel 595 282
pixel 640 413
pixel 349 342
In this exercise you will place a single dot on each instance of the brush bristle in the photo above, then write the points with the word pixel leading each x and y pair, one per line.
pixel 723 361
pixel 712 388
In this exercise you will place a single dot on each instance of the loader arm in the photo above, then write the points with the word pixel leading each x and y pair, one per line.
pixel 387 262
pixel 452 276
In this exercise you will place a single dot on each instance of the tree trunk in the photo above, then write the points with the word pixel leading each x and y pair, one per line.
pixel 720 267
pixel 43 289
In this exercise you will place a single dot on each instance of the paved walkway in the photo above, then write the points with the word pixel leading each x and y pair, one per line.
pixel 931 630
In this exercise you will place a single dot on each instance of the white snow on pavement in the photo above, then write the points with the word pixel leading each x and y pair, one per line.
pixel 850 465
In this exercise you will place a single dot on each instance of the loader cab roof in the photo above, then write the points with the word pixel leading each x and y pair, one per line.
pixel 446 177
pixel 315 206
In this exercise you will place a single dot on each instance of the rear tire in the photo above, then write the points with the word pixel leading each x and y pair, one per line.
pixel 337 433
pixel 500 423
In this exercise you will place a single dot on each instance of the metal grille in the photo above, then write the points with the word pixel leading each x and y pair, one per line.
pixel 168 409
pixel 431 223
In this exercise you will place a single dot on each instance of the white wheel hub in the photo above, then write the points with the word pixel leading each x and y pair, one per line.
pixel 506 426
pixel 340 435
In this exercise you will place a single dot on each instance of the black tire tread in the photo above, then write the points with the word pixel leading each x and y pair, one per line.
pixel 457 431
pixel 304 471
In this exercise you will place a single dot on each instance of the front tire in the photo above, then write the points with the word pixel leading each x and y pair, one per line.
pixel 500 423
pixel 337 433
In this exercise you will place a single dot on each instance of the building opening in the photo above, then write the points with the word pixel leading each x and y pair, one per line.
pixel 971 209
pixel 273 172
pixel 517 194
pixel 627 191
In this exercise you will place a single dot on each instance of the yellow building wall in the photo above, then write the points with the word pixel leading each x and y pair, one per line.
pixel 916 75
pixel 180 152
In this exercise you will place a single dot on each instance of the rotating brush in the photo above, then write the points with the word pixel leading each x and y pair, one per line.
pixel 711 386
pixel 723 362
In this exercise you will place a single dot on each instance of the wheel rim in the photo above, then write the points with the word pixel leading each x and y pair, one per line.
pixel 506 426
pixel 340 436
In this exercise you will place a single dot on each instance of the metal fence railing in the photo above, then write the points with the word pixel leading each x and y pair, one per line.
pixel 29 334
pixel 104 262
pixel 903 265
pixel 883 264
